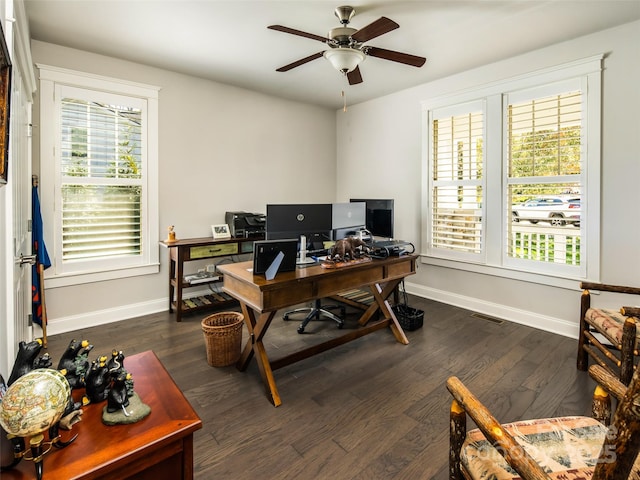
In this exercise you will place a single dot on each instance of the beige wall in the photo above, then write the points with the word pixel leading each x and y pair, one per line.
pixel 219 145
pixel 384 135
pixel 222 149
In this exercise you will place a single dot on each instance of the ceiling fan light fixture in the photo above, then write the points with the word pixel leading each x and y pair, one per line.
pixel 344 60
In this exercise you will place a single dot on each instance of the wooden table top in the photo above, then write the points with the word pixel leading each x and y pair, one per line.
pixel 99 448
pixel 310 282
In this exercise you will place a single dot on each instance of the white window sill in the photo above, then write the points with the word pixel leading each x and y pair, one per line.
pixel 92 277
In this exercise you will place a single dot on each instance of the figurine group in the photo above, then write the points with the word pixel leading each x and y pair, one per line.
pixel 103 379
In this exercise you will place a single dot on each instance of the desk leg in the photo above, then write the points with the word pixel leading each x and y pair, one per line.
pixel 257 330
pixel 381 298
pixel 380 295
pixel 379 304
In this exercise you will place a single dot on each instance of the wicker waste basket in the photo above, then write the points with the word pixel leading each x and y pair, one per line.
pixel 223 338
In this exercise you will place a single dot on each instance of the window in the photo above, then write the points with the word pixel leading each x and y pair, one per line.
pixel 544 158
pixel 512 173
pixel 102 181
pixel 456 176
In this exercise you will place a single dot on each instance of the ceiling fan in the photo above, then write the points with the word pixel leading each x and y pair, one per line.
pixel 346 45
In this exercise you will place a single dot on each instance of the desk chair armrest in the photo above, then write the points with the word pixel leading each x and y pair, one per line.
pixel 504 442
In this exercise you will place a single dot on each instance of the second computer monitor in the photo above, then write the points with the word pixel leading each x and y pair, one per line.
pixel 313 220
pixel 349 214
pixel 379 216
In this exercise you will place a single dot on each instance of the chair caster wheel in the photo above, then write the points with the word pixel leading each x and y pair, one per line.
pixel 285 317
pixel 340 325
pixel 300 329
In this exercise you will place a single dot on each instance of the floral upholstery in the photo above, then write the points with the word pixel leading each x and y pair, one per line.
pixel 609 323
pixel 566 447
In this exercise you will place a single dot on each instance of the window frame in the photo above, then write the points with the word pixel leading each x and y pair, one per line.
pixel 543 91
pixel 589 73
pixel 448 112
pixel 53 81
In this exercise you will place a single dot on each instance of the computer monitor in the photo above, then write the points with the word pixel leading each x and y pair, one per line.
pixel 348 219
pixel 311 220
pixel 379 216
pixel 349 214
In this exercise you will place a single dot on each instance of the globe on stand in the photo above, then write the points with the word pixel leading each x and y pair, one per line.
pixel 32 405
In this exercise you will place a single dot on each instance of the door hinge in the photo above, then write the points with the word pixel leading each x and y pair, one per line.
pixel 30 225
pixel 30 319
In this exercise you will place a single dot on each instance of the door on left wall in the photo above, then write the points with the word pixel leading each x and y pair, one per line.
pixel 21 184
pixel 16 214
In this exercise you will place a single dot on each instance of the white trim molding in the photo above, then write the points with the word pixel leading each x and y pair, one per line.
pixel 523 317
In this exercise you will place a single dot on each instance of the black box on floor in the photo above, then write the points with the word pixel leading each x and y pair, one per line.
pixel 408 317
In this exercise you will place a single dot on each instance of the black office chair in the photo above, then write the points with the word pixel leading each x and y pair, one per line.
pixel 315 312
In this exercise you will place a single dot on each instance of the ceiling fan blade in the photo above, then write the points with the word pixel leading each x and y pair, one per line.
pixel 302 61
pixel 375 29
pixel 354 76
pixel 395 56
pixel 300 33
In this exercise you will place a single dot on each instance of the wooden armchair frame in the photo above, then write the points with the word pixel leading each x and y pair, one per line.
pixel 626 425
pixel 617 356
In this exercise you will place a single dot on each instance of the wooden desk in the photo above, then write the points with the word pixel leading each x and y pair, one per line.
pixel 260 299
pixel 189 249
pixel 158 447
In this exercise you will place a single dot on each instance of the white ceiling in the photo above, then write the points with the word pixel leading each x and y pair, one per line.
pixel 228 41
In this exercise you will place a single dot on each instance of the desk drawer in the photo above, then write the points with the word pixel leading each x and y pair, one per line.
pixel 208 251
pixel 401 269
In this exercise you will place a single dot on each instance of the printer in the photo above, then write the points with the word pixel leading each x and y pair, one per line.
pixel 245 224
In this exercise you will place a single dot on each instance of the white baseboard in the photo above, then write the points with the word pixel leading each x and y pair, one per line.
pixel 101 317
pixel 523 317
pixel 111 315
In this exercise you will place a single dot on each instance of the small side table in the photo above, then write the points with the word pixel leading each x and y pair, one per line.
pixel 189 249
pixel 159 447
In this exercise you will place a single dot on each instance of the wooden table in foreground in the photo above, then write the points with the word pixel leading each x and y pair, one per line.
pixel 159 447
pixel 260 299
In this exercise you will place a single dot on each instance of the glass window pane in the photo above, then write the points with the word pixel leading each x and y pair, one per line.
pixel 100 221
pixel 101 141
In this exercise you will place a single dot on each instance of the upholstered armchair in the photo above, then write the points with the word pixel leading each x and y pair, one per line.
pixel 611 337
pixel 564 448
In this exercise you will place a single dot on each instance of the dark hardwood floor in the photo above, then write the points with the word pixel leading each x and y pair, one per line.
pixel 371 409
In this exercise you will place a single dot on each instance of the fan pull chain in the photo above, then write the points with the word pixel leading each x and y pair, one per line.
pixel 344 102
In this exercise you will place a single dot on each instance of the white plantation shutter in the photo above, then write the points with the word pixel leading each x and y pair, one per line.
pixel 490 148
pixel 456 180
pixel 544 158
pixel 544 136
pixel 102 180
